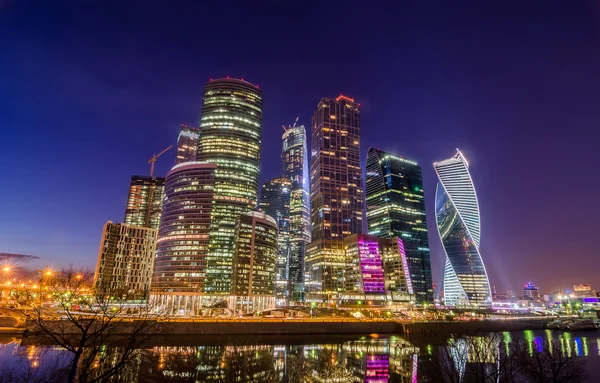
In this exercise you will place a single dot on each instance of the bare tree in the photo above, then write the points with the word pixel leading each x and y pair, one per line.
pixel 35 365
pixel 298 369
pixel 490 358
pixel 553 365
pixel 87 320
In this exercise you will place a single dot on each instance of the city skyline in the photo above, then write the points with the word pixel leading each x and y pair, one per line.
pixel 497 129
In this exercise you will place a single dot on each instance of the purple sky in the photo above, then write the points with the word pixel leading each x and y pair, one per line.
pixel 89 92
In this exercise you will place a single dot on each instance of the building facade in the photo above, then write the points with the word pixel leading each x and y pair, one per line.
pixel 187 144
pixel 275 202
pixel 583 291
pixel 457 214
pixel 336 194
pixel 295 167
pixel 125 261
pixel 144 204
pixel 364 271
pixel 230 137
pixel 396 270
pixel 254 262
pixel 179 281
pixel 531 291
pixel 396 208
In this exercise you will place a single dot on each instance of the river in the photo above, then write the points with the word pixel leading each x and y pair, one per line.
pixel 369 358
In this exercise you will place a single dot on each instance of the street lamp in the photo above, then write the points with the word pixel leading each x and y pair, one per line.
pixel 6 269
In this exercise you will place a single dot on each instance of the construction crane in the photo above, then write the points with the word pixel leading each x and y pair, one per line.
pixel 152 160
pixel 291 127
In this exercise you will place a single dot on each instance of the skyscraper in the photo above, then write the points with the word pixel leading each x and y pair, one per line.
pixel 187 144
pixel 125 260
pixel 275 202
pixel 295 167
pixel 254 260
pixel 181 261
pixel 398 283
pixel 396 208
pixel 457 214
pixel 364 272
pixel 230 137
pixel 144 205
pixel 336 193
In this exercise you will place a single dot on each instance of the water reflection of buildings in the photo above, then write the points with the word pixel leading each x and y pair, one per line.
pixel 383 360
pixel 372 360
pixel 368 360
pixel 212 364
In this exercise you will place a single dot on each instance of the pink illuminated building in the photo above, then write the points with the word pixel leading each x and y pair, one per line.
pixel 364 273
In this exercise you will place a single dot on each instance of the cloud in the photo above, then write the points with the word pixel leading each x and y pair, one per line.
pixel 17 257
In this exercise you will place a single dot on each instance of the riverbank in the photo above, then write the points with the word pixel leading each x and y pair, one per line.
pixel 313 326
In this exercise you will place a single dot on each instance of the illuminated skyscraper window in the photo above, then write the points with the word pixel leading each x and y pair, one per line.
pixel 144 205
pixel 254 261
pixel 126 260
pixel 295 168
pixel 396 208
pixel 336 193
pixel 230 137
pixel 187 144
pixel 183 236
pixel 275 202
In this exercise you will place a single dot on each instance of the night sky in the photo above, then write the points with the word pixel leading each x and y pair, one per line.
pixel 89 90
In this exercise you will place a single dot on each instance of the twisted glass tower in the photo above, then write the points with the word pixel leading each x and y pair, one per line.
pixel 457 214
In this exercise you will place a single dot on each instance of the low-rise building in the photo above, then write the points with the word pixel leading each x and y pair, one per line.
pixel 125 260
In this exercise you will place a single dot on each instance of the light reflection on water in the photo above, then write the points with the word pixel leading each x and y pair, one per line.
pixel 364 359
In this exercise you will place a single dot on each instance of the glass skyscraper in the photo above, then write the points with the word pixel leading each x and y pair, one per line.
pixel 187 144
pixel 457 213
pixel 364 271
pixel 230 137
pixel 181 260
pixel 255 258
pixel 396 208
pixel 295 168
pixel 336 194
pixel 275 202
pixel 144 204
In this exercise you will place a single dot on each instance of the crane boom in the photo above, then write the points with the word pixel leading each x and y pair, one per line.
pixel 152 160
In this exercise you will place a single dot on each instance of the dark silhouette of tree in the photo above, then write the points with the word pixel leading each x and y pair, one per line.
pixel 490 358
pixel 88 321
pixel 553 365
pixel 38 366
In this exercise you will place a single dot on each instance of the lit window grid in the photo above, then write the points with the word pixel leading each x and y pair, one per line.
pixel 230 131
pixel 396 207
pixel 184 234
pixel 126 260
